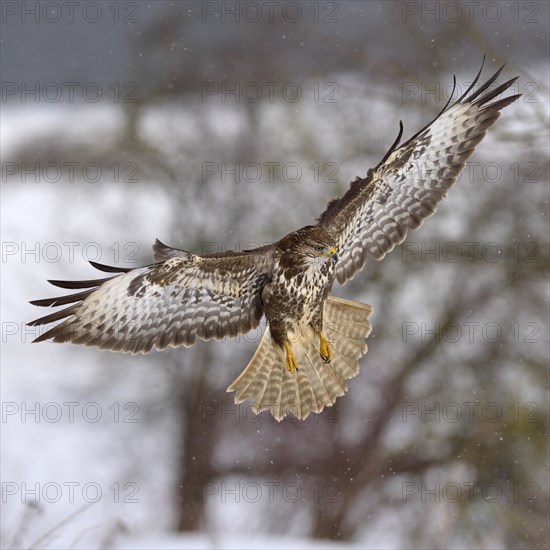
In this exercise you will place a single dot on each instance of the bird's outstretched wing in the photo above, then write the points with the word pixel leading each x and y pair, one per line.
pixel 170 303
pixel 407 185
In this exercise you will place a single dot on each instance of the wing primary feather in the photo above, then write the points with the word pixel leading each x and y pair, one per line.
pixel 79 284
pixel 110 268
pixel 483 87
pixel 474 82
pixel 62 300
pixel 504 102
pixel 54 317
pixel 450 96
pixel 394 145
pixel 496 92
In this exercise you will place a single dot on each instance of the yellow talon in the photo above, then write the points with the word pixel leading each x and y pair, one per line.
pixel 291 363
pixel 324 349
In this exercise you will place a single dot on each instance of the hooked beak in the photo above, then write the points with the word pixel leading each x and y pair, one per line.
pixel 332 254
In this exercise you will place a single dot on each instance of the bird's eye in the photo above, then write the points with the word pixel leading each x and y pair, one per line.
pixel 319 248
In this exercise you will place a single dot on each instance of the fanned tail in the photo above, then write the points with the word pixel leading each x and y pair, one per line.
pixel 270 386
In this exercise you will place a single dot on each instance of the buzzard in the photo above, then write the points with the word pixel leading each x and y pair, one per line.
pixel 313 341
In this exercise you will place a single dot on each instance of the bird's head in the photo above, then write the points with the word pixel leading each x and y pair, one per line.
pixel 312 243
pixel 322 250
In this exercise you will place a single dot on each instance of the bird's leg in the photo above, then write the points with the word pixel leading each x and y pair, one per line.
pixel 291 363
pixel 324 349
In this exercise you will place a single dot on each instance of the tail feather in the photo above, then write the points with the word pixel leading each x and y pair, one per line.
pixel 289 394
pixel 267 382
pixel 312 367
pixel 251 381
pixel 271 392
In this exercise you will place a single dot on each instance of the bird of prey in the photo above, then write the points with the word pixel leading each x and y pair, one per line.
pixel 313 341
